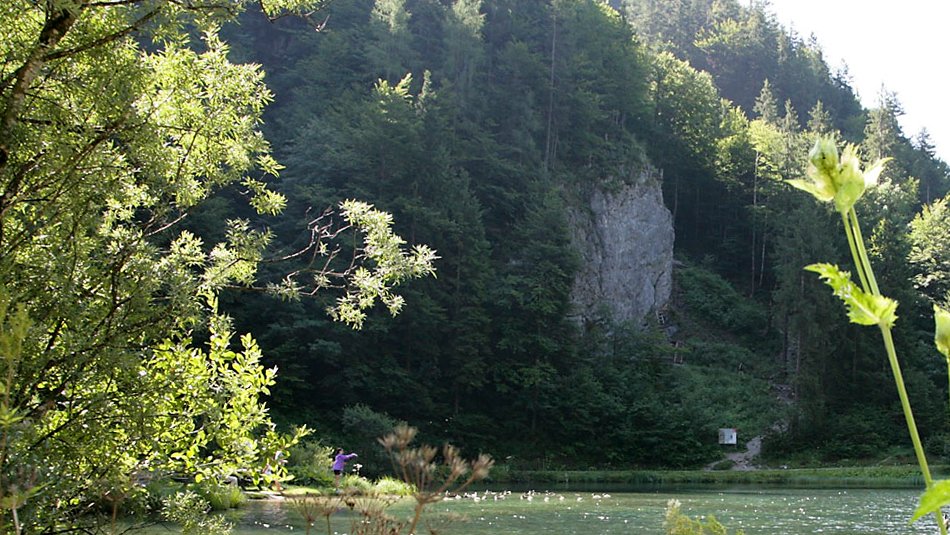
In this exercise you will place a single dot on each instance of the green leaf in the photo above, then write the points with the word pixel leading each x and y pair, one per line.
pixel 819 190
pixel 942 331
pixel 933 499
pixel 8 416
pixel 18 498
pixel 863 308
pixel 12 501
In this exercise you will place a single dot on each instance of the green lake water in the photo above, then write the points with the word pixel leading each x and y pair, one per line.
pixel 757 511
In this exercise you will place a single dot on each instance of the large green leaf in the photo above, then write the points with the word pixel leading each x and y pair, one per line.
pixel 863 308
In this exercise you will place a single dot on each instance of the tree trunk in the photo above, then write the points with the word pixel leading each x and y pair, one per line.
pixel 549 137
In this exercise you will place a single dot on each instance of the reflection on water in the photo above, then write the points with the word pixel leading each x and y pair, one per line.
pixel 757 511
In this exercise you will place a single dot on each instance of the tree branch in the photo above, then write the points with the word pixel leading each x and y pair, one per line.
pixel 55 28
pixel 59 54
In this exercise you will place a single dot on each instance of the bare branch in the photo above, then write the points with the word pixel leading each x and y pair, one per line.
pixel 308 17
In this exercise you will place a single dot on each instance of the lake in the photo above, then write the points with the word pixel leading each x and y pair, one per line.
pixel 756 510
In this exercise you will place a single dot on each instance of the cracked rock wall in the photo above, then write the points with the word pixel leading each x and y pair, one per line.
pixel 625 240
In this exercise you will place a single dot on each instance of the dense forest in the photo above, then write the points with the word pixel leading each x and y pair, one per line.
pixel 378 192
pixel 475 123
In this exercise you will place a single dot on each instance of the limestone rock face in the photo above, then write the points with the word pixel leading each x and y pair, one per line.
pixel 625 240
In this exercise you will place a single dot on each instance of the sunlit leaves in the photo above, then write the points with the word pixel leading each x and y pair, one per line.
pixel 863 308
pixel 942 331
pixel 236 260
pixel 206 112
pixel 275 8
pixel 930 251
pixel 935 497
pixel 107 144
pixel 207 403
pixel 263 200
pixel 688 110
pixel 388 264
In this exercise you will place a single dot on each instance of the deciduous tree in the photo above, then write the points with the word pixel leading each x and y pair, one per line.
pixel 114 124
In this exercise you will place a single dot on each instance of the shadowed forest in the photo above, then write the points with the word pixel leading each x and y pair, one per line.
pixel 476 123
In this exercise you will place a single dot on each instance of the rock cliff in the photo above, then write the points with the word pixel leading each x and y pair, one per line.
pixel 624 237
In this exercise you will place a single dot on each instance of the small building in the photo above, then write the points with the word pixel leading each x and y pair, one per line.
pixel 728 435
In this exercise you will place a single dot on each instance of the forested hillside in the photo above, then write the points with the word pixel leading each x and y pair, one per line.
pixel 477 122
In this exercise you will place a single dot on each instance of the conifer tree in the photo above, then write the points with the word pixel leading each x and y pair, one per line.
pixel 766 107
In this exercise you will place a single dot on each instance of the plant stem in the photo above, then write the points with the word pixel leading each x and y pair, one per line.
pixel 905 404
pixel 909 416
pixel 865 262
pixel 845 219
pixel 418 515
pixel 866 272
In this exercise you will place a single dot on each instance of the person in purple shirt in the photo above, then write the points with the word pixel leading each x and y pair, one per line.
pixel 339 463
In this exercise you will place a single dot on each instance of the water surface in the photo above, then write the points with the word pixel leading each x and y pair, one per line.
pixel 757 511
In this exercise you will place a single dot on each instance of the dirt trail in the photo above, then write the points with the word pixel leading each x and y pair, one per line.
pixel 745 460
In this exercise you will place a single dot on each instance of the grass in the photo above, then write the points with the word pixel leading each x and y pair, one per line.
pixel 903 476
pixel 356 485
pixel 880 476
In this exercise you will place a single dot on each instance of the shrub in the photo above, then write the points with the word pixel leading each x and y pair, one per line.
pixel 190 511
pixel 725 464
pixel 157 491
pixel 356 484
pixel 362 427
pixel 713 301
pixel 220 497
pixel 309 463
pixel 393 487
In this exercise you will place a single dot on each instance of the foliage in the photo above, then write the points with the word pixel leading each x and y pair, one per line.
pixel 356 484
pixel 362 426
pixel 383 251
pixel 677 523
pixel 713 301
pixel 117 120
pixel 929 256
pixel 479 125
pixel 863 308
pixel 190 511
pixel 221 496
pixel 309 463
pixel 392 487
pixel 730 396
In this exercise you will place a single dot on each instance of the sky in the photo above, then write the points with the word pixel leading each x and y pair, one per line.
pixel 902 45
